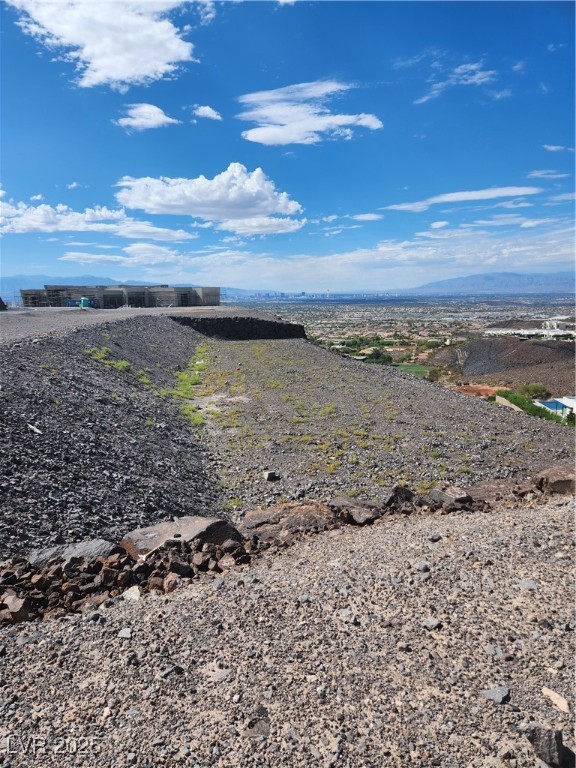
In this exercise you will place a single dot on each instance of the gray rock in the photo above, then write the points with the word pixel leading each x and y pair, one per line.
pixel 287 521
pixel 142 541
pixel 398 495
pixel 125 634
pixel 19 607
pixel 450 495
pixel 548 746
pixel 557 479
pixel 88 550
pixel 421 566
pixel 173 669
pixel 493 650
pixel 499 694
pixel 431 623
pixel 529 584
pixel 355 511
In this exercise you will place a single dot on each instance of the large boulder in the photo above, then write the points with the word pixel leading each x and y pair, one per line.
pixel 87 550
pixel 207 530
pixel 556 479
pixel 284 523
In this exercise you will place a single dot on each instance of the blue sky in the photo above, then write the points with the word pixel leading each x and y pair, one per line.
pixel 287 145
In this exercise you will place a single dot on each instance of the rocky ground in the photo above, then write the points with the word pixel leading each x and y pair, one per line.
pixel 413 642
pixel 120 424
pixel 329 425
pixel 419 640
pixel 87 448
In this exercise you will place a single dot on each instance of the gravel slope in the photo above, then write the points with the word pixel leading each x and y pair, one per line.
pixel 318 656
pixel 511 362
pixel 329 425
pixel 88 450
pixel 94 443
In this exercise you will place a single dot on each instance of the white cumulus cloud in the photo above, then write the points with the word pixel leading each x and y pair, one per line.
pixel 206 11
pixel 557 148
pixel 118 44
pixel 141 117
pixel 236 199
pixel 439 224
pixel 463 197
pixel 137 254
pixel 21 218
pixel 262 225
pixel 298 114
pixel 207 112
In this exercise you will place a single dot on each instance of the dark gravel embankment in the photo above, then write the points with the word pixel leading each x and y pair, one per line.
pixel 511 362
pixel 88 450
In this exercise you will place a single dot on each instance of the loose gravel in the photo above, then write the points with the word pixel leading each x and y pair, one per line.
pixel 90 451
pixel 413 642
pixel 416 641
pixel 327 425
pixel 95 443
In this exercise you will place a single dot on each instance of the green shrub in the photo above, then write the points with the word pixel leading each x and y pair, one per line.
pixel 143 378
pixel 102 355
pixel 190 412
pixel 120 365
pixel 535 391
pixel 528 406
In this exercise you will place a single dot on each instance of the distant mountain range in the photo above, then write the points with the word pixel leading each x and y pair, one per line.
pixel 498 283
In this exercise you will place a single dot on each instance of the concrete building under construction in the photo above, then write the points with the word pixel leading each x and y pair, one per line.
pixel 114 296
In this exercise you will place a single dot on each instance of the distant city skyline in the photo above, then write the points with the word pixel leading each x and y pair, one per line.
pixel 323 146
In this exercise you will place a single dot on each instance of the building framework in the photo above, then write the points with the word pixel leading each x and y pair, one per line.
pixel 115 296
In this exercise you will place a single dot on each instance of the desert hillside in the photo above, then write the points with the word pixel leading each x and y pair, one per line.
pixel 409 632
pixel 129 422
pixel 511 362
